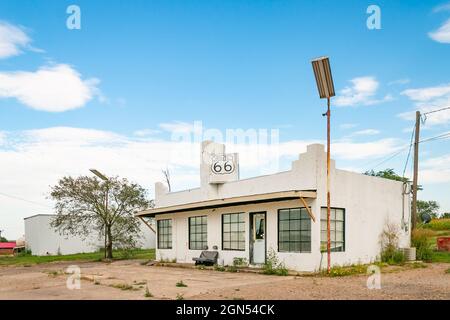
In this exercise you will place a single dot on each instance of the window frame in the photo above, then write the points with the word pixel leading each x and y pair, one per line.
pixel 196 233
pixel 331 231
pixel 230 223
pixel 300 230
pixel 159 234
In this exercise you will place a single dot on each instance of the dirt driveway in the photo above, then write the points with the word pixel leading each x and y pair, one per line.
pixel 129 279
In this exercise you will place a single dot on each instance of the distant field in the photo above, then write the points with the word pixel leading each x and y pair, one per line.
pixel 439 256
pixel 25 260
pixel 438 225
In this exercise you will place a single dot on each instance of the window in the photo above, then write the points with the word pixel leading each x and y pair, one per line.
pixel 165 234
pixel 337 229
pixel 233 231
pixel 198 233
pixel 294 230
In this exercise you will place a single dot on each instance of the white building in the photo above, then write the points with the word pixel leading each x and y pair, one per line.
pixel 247 218
pixel 42 239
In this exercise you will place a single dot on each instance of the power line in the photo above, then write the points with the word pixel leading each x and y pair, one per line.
pixel 25 200
pixel 438 137
pixel 433 111
pixel 409 151
pixel 396 153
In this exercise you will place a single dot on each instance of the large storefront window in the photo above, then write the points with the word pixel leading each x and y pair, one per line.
pixel 198 233
pixel 337 229
pixel 233 231
pixel 294 230
pixel 165 234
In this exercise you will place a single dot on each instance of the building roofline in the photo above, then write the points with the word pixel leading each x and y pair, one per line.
pixel 231 201
pixel 40 214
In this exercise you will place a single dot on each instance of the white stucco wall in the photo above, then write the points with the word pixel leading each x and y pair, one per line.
pixel 369 203
pixel 41 239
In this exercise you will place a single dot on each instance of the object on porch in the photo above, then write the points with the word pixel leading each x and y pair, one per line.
pixel 207 258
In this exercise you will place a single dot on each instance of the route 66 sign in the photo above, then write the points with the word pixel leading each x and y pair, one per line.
pixel 224 168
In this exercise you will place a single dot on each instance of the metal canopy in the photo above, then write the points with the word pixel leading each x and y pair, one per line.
pixel 233 201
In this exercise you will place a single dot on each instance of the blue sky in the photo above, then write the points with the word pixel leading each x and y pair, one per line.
pixel 138 69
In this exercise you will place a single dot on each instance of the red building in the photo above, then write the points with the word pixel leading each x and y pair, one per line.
pixel 7 248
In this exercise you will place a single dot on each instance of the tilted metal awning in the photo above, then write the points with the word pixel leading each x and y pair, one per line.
pixel 235 201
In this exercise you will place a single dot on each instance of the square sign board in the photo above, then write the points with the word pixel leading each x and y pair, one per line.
pixel 224 168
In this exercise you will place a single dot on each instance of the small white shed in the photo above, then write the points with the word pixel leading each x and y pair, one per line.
pixel 42 239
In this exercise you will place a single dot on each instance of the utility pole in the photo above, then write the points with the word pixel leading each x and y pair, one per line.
pixel 416 172
pixel 325 85
pixel 328 188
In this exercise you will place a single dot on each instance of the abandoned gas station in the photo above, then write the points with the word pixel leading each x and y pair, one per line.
pixel 283 213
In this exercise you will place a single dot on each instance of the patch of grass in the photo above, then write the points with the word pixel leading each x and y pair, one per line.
pixel 148 294
pixel 27 260
pixel 238 298
pixel 219 268
pixel 418 265
pixel 420 239
pixel 447 271
pixel 232 269
pixel 273 266
pixel 180 296
pixel 440 256
pixel 438 224
pixel 140 283
pixel 181 284
pixel 54 273
pixel 392 256
pixel 338 271
pixel 240 262
pixel 123 286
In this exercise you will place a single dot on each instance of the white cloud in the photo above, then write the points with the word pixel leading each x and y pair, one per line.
pixel 427 94
pixel 33 160
pixel 345 126
pixel 361 92
pixel 349 150
pixel 178 126
pixel 443 7
pixel 399 81
pixel 145 132
pixel 54 88
pixel 429 99
pixel 442 34
pixel 12 40
pixel 436 170
pixel 2 138
pixel 366 132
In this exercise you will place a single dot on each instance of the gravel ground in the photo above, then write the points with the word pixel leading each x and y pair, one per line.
pixel 129 280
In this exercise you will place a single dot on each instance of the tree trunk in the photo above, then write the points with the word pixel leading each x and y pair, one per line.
pixel 109 246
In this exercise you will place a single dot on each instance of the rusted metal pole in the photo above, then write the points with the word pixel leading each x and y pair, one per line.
pixel 106 215
pixel 147 224
pixel 416 172
pixel 328 188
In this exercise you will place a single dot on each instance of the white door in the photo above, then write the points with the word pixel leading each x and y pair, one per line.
pixel 258 238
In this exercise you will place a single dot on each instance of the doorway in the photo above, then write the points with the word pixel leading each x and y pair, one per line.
pixel 257 237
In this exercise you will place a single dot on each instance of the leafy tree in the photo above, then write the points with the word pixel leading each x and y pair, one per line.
pixel 445 215
pixel 84 204
pixel 427 207
pixel 3 239
pixel 387 174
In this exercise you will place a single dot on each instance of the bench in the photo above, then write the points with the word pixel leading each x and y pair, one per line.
pixel 207 258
